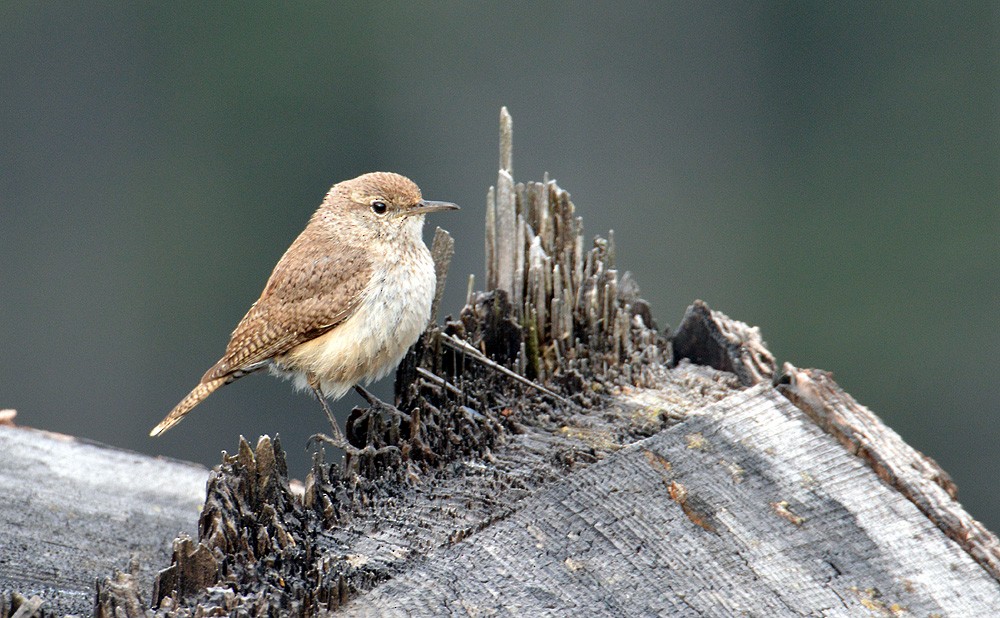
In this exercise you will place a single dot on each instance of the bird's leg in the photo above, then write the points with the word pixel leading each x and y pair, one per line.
pixel 338 439
pixel 337 434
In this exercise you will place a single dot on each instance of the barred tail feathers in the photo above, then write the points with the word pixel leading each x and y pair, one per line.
pixel 196 396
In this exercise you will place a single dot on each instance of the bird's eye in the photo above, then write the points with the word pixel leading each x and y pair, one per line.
pixel 379 207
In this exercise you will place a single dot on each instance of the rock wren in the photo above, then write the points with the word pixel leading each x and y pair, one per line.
pixel 344 303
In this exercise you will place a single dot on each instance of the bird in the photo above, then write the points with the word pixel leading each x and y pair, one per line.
pixel 344 303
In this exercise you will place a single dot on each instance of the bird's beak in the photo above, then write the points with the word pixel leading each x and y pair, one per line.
pixel 426 206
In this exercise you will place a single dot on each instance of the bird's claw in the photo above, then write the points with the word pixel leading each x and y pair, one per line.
pixel 349 449
pixel 378 404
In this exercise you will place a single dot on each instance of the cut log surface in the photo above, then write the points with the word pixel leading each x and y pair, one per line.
pixel 744 508
pixel 75 511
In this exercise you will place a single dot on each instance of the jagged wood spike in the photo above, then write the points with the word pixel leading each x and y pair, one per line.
pixel 562 292
pixel 557 321
pixel 624 330
pixel 506 141
pixel 555 325
pixel 544 216
pixel 556 218
pixel 538 298
pixel 567 315
pixel 566 215
pixel 560 221
pixel 506 228
pixel 470 289
pixel 532 213
pixel 606 323
pixel 530 209
pixel 578 251
pixel 588 269
pixel 547 272
pixel 533 368
pixel 491 239
pixel 442 250
pixel 517 289
pixel 567 272
pixel 611 248
pixel 592 310
pixel 612 328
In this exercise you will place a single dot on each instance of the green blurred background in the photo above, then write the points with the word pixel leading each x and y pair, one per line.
pixel 830 174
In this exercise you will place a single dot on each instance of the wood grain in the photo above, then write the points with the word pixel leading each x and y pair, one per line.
pixel 74 511
pixel 612 540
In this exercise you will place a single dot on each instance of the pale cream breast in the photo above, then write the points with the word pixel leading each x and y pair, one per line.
pixel 393 312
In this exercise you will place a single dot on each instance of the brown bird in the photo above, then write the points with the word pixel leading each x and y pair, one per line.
pixel 345 302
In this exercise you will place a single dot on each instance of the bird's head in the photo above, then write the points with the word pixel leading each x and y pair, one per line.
pixel 381 203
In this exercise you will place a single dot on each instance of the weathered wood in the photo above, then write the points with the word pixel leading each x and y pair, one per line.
pixel 744 507
pixel 738 505
pixel 501 217
pixel 916 476
pixel 442 250
pixel 74 511
pixel 273 551
pixel 578 315
pixel 506 141
pixel 711 338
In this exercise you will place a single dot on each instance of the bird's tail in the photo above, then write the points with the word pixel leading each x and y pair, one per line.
pixel 187 404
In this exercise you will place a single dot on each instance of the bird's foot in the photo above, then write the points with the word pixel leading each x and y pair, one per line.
pixel 378 404
pixel 338 435
pixel 339 440
pixel 352 452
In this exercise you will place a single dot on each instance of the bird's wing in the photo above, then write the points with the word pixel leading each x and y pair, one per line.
pixel 309 293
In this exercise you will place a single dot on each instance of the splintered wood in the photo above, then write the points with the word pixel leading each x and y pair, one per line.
pixel 576 311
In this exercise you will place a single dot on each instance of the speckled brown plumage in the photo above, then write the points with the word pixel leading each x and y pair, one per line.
pixel 338 267
pixel 308 293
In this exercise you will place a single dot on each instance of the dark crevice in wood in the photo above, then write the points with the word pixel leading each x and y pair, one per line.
pixel 711 338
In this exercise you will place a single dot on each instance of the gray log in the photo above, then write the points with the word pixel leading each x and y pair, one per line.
pixel 73 511
pixel 743 508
